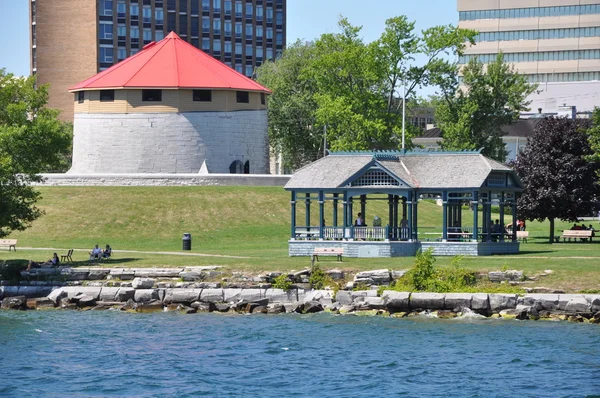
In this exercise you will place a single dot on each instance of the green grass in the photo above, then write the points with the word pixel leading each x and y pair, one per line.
pixel 252 223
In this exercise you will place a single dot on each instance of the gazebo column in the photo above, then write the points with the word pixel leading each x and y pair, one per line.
pixel 345 205
pixel 514 217
pixel 350 212
pixel 307 204
pixel 293 221
pixel 475 203
pixel 335 209
pixel 415 228
pixel 459 213
pixel 488 218
pixel 321 215
pixel 391 216
pixel 363 207
pixel 397 233
pixel 404 208
pixel 444 216
pixel 502 215
pixel 409 207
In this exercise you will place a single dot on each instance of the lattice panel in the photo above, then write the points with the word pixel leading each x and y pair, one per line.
pixel 375 177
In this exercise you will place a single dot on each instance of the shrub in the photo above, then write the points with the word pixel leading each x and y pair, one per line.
pixel 11 270
pixel 424 276
pixel 318 278
pixel 282 282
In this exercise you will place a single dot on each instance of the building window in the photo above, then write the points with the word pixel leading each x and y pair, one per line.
pixel 121 53
pixel 249 31
pixel 205 5
pixel 151 95
pixel 217 27
pixel 249 10
pixel 243 97
pixel 227 47
pixel 217 6
pixel 105 30
pixel 205 25
pixel 227 7
pixel 238 8
pixel 106 55
pixel 202 95
pixel 134 10
pixel 263 100
pixel 80 97
pixel 206 44
pixel 217 45
pixel 107 95
pixel 107 8
pixel 238 49
pixel 159 35
pixel 249 70
pixel 238 29
pixel 227 28
pixel 249 50
pixel 121 9
pixel 147 14
pixel 159 16
pixel 147 36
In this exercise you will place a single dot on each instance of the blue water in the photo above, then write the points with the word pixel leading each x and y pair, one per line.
pixel 98 354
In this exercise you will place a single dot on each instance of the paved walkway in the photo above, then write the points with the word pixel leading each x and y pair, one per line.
pixel 54 249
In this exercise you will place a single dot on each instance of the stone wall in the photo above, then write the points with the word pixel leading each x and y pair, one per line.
pixel 164 180
pixel 169 142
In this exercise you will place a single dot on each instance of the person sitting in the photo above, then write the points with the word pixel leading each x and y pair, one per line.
pixel 376 221
pixel 591 228
pixel 106 253
pixel 53 262
pixel 575 227
pixel 497 231
pixel 31 265
pixel 96 253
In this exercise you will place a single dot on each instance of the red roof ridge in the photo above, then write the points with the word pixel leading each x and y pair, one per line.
pixel 195 54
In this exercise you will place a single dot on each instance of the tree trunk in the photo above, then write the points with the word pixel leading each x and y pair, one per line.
pixel 551 230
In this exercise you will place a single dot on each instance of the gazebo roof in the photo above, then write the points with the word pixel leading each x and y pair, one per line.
pixel 170 63
pixel 418 169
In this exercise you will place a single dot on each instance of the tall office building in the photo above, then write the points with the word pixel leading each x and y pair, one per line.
pixel 555 43
pixel 72 40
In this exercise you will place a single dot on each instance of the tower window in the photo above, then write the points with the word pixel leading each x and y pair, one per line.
pixel 107 95
pixel 202 95
pixel 243 97
pixel 152 95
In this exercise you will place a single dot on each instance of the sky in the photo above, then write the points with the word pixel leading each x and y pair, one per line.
pixel 306 19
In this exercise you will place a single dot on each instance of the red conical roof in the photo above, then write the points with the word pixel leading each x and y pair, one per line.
pixel 170 63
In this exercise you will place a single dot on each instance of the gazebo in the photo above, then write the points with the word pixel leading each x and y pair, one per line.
pixel 455 180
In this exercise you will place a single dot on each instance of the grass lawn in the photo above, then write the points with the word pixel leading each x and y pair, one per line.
pixel 253 223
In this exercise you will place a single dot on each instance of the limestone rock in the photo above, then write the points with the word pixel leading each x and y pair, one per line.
pixel 505 276
pixel 222 307
pixel 281 296
pixel 204 307
pixel 57 294
pixel 398 274
pixel 458 301
pixel 480 302
pixel 577 303
pixel 44 302
pixel 335 274
pixel 73 291
pixel 14 303
pixel 427 301
pixel 314 295
pixel 346 309
pixel 232 295
pixel 310 307
pixel 499 302
pixel 142 283
pixel 125 293
pixel 84 300
pixel 98 273
pixel 191 276
pixel 184 296
pixel 212 295
pixel 343 297
pixel 145 295
pixel 251 294
pixel 594 300
pixel 377 277
pixel 375 303
pixel 260 309
pixel 275 308
pixel 548 302
pixel 396 301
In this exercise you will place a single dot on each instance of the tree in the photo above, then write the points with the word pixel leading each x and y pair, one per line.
pixel 32 140
pixel 594 137
pixel 559 182
pixel 353 87
pixel 292 122
pixel 471 116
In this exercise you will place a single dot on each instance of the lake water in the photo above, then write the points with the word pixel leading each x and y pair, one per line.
pixel 110 353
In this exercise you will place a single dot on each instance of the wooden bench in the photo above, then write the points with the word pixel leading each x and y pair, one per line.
pixel 9 242
pixel 581 234
pixel 523 235
pixel 327 251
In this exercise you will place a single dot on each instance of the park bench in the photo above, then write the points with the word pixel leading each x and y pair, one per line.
pixel 9 242
pixel 581 234
pixel 327 251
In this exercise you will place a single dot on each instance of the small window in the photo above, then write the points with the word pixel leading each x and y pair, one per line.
pixel 262 98
pixel 243 97
pixel 152 95
pixel 80 97
pixel 203 95
pixel 107 95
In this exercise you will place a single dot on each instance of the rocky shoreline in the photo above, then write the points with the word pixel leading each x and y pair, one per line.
pixel 187 291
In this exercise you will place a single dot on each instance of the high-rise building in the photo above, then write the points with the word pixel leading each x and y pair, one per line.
pixel 555 43
pixel 72 40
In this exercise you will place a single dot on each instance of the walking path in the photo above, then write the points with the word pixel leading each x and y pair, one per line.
pixel 137 251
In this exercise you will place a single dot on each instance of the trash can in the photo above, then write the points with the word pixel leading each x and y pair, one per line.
pixel 187 241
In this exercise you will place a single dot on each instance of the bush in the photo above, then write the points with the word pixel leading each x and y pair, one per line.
pixel 11 270
pixel 282 282
pixel 318 278
pixel 424 276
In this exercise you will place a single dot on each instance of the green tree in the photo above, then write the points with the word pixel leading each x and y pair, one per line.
pixel 353 87
pixel 594 137
pixel 293 128
pixel 559 180
pixel 492 96
pixel 32 140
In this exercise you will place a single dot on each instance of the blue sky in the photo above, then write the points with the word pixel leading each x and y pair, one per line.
pixel 306 19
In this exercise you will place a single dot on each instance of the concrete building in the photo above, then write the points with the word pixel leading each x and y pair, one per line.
pixel 170 108
pixel 555 43
pixel 74 39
